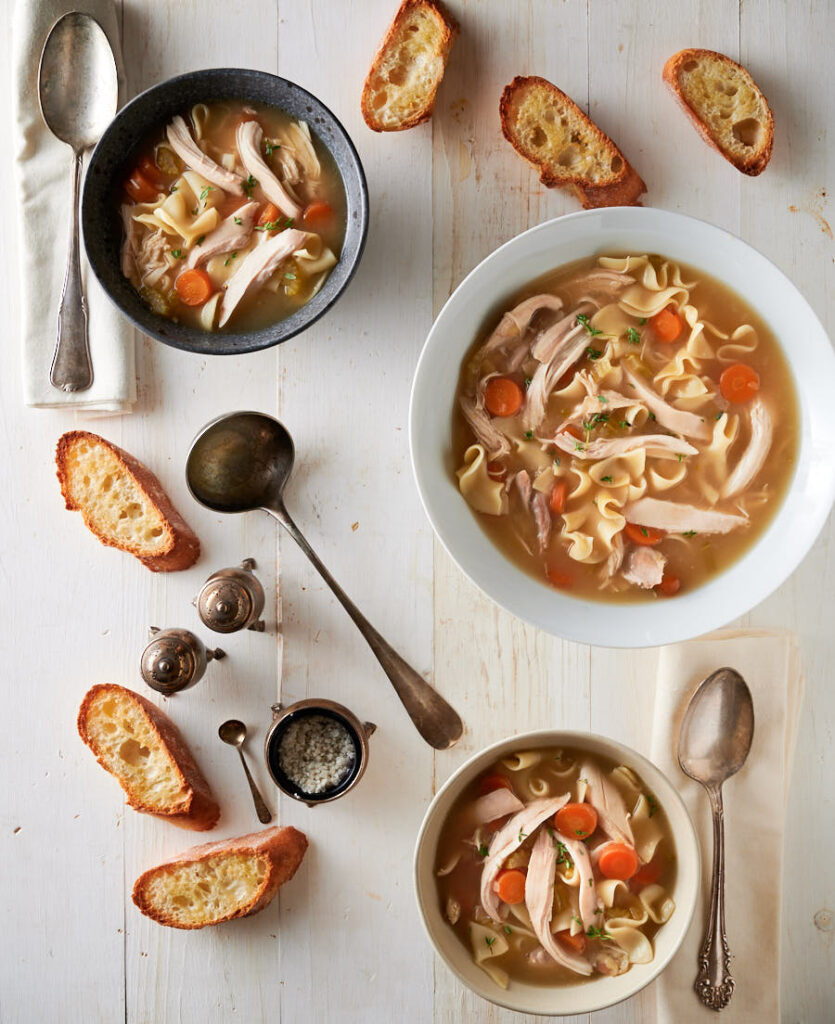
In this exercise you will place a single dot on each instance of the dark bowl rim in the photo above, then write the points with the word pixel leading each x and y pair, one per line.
pixel 265 338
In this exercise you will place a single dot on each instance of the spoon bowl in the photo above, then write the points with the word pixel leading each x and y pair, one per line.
pixel 717 729
pixel 242 461
pixel 233 732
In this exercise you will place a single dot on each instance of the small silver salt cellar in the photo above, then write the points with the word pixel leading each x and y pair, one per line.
pixel 357 731
pixel 232 599
pixel 175 659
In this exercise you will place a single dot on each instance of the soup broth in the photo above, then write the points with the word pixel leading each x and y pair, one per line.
pixel 583 852
pixel 233 215
pixel 627 429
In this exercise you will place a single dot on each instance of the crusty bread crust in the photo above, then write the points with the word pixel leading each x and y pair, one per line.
pixel 448 30
pixel 284 848
pixel 619 188
pixel 182 548
pixel 752 164
pixel 200 811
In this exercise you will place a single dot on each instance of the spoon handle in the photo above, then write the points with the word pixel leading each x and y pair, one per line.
pixel 714 984
pixel 72 369
pixel 437 722
pixel 261 809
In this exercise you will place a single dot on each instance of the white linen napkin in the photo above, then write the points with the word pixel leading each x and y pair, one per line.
pixel 44 179
pixel 754 802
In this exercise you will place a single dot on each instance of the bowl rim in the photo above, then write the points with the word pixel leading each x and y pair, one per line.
pixel 631 757
pixel 206 342
pixel 712 604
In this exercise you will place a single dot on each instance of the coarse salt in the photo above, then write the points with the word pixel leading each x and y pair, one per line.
pixel 316 753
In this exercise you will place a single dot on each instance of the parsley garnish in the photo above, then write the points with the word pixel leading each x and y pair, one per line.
pixel 507 929
pixel 680 457
pixel 557 461
pixel 581 832
pixel 489 939
pixel 529 435
pixel 249 185
pixel 603 399
pixel 579 447
pixel 689 533
pixel 204 194
pixel 200 240
pixel 594 421
pixel 482 850
pixel 642 321
pixel 584 321
pixel 577 919
pixel 522 835
pixel 653 805
pixel 597 933
pixel 625 424
pixel 177 254
pixel 237 220
pixel 591 882
pixel 719 415
pixel 228 261
pixel 633 336
pixel 527 382
pixel 274 225
pixel 270 146
pixel 290 277
pixel 606 479
pixel 644 531
pixel 174 187
pixel 563 856
pixel 593 353
pixel 652 416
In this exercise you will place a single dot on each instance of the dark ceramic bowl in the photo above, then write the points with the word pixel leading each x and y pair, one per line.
pixel 100 213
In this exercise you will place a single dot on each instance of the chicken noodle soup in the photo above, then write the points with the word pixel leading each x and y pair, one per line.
pixel 627 427
pixel 233 217
pixel 556 866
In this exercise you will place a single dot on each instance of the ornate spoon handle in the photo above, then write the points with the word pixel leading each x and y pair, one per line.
pixel 714 984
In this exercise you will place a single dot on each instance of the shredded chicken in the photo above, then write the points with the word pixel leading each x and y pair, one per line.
pixel 752 460
pixel 542 518
pixel 589 900
pixel 677 420
pixel 495 804
pixel 494 441
pixel 515 322
pixel 549 341
pixel 193 156
pixel 675 518
pixel 230 235
pixel 644 567
pixel 547 375
pixel 599 284
pixel 659 445
pixel 249 137
pixel 605 798
pixel 258 266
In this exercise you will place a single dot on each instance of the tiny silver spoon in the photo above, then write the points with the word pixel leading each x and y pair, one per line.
pixel 241 462
pixel 233 732
pixel 713 743
pixel 78 91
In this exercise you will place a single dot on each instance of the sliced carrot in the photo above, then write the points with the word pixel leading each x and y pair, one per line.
pixel 194 287
pixel 648 536
pixel 150 170
pixel 510 886
pixel 139 188
pixel 617 860
pixel 739 383
pixel 269 215
pixel 576 820
pixel 559 493
pixel 559 578
pixel 666 324
pixel 496 470
pixel 669 585
pixel 318 213
pixel 648 874
pixel 503 396
pixel 491 782
pixel 576 942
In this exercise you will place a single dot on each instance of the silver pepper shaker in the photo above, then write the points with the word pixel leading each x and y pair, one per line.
pixel 232 599
pixel 175 659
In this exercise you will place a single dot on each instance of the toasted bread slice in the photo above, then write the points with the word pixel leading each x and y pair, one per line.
pixel 145 751
pixel 123 503
pixel 216 882
pixel 399 91
pixel 725 104
pixel 550 131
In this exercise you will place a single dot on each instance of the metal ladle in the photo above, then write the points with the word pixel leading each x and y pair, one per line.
pixel 78 91
pixel 714 741
pixel 233 732
pixel 242 461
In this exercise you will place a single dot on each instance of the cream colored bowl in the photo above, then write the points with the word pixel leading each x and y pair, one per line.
pixel 792 531
pixel 585 996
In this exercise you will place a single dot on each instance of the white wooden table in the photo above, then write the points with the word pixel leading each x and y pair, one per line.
pixel 343 941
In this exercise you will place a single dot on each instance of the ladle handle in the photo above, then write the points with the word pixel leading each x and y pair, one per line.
pixel 714 984
pixel 72 368
pixel 261 809
pixel 437 722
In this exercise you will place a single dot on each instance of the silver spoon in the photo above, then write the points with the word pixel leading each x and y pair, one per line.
pixel 242 461
pixel 714 741
pixel 233 732
pixel 78 90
